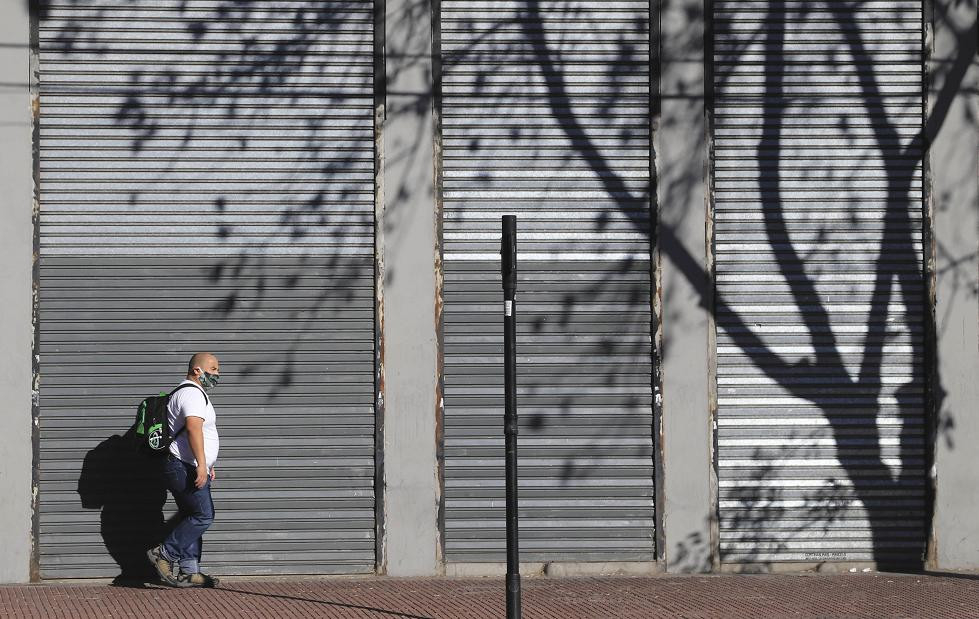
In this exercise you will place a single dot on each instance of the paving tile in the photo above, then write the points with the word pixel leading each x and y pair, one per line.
pixel 872 596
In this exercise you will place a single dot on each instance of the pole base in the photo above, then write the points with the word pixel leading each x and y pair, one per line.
pixel 513 596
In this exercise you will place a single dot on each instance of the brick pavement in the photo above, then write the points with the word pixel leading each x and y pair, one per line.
pixel 874 596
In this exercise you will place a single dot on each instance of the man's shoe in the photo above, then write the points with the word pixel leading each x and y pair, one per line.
pixel 164 568
pixel 197 579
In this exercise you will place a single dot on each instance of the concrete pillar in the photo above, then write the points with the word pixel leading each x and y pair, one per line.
pixel 16 331
pixel 408 275
pixel 954 162
pixel 681 157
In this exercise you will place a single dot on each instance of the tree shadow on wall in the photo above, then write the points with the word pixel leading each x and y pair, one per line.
pixel 847 378
pixel 243 282
pixel 126 486
pixel 246 124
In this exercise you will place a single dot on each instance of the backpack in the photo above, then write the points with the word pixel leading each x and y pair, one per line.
pixel 152 428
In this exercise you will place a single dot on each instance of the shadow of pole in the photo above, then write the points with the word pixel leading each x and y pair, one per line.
pixel 328 603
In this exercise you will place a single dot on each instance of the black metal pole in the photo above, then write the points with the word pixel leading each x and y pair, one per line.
pixel 508 253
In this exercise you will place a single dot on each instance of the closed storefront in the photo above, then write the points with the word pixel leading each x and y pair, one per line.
pixel 820 293
pixel 207 184
pixel 545 115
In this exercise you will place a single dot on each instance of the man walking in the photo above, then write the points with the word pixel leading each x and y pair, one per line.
pixel 188 473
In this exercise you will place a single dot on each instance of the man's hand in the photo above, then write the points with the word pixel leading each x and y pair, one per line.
pixel 213 473
pixel 201 476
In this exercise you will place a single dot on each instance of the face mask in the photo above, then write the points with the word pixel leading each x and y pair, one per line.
pixel 208 381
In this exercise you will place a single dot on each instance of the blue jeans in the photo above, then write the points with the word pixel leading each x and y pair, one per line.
pixel 196 514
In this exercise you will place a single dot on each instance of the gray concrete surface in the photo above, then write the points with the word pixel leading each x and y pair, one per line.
pixel 408 240
pixel 954 160
pixel 16 239
pixel 681 155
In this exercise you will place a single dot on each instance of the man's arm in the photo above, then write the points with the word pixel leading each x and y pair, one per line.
pixel 195 435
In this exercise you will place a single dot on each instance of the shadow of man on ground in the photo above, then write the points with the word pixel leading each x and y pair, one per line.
pixel 126 485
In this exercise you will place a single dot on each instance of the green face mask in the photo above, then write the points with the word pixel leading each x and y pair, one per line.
pixel 209 381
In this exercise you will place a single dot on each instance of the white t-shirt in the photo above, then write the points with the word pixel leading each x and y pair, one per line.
pixel 190 402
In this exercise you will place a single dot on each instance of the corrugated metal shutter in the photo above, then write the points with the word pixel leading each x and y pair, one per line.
pixel 545 114
pixel 818 238
pixel 207 184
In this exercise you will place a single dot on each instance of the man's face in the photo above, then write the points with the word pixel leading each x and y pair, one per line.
pixel 211 366
pixel 207 373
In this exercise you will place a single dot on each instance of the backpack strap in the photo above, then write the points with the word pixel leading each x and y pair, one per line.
pixel 207 400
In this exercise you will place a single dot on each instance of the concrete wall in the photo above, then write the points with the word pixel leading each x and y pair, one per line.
pixel 954 161
pixel 681 156
pixel 409 265
pixel 16 338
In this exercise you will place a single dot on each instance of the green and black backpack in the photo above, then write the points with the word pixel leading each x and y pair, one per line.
pixel 152 429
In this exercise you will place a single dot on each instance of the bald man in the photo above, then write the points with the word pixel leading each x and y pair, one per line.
pixel 188 474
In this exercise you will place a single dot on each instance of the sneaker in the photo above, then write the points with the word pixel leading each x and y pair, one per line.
pixel 164 568
pixel 197 579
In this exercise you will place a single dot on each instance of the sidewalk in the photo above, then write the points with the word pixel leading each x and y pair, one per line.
pixel 875 596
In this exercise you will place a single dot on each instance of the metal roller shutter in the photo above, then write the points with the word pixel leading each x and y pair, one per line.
pixel 207 176
pixel 818 239
pixel 545 114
